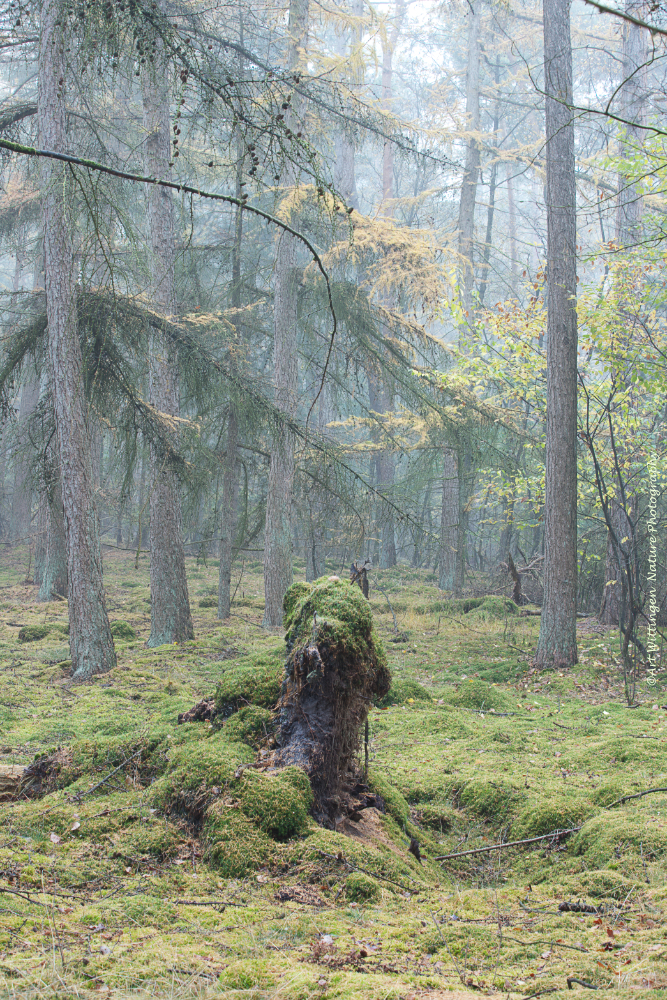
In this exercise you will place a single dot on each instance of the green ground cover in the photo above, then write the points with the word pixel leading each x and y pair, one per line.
pixel 189 873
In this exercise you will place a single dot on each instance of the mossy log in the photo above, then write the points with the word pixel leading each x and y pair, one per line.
pixel 335 668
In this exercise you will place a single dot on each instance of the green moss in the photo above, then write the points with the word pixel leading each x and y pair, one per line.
pixel 292 597
pixel 274 804
pixel 299 780
pixel 251 725
pixel 198 766
pixel 610 791
pixel 208 602
pixel 235 844
pixel 494 607
pixel 477 694
pixel 337 617
pixel 394 803
pixel 361 888
pixel 251 680
pixel 492 800
pixel 554 812
pixel 33 633
pixel 439 816
pixel 598 885
pixel 121 630
pixel 627 839
pixel 402 690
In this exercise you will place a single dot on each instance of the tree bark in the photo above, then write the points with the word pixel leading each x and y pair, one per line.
pixel 471 169
pixel 278 527
pixel 171 620
pixel 448 521
pixel 629 233
pixel 230 481
pixel 54 574
pixel 91 643
pixel 557 645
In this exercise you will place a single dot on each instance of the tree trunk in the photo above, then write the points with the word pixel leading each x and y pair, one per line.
pixel 557 645
pixel 54 574
pixel 170 605
pixel 629 233
pixel 448 521
pixel 91 643
pixel 22 495
pixel 230 480
pixel 471 169
pixel 278 527
pixel 486 257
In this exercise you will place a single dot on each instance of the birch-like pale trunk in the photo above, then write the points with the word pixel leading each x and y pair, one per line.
pixel 557 644
pixel 279 499
pixel 171 620
pixel 91 643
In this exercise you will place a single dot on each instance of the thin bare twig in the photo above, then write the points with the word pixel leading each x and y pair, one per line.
pixel 555 835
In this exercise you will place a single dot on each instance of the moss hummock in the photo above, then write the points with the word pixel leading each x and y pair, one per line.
pixel 251 680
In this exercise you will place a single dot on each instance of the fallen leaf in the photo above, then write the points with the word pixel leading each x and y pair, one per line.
pixel 75 826
pixel 105 949
pixel 54 838
pixel 545 954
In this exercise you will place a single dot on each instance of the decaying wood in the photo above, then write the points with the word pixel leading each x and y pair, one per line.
pixel 11 776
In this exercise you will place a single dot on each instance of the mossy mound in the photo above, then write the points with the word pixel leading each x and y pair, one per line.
pixel 208 602
pixel 251 680
pixel 551 813
pixel 599 885
pixel 293 595
pixel 360 888
pixel 494 607
pixel 402 691
pixel 492 800
pixel 617 838
pixel 610 791
pixel 477 694
pixel 33 633
pixel 235 844
pixel 438 816
pixel 251 725
pixel 193 771
pixel 335 614
pixel 395 804
pixel 122 630
pixel 275 805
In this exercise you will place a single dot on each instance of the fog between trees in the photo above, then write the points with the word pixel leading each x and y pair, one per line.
pixel 328 283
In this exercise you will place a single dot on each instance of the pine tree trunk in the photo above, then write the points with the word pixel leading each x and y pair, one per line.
pixel 230 491
pixel 278 526
pixel 449 520
pixel 54 575
pixel 91 643
pixel 471 169
pixel 629 233
pixel 557 645
pixel 171 620
pixel 22 495
pixel 230 481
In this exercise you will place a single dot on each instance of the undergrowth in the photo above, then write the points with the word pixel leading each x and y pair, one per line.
pixel 131 819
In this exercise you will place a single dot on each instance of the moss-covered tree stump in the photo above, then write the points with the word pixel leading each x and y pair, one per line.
pixel 335 668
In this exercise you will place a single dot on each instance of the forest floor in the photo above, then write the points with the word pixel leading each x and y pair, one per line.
pixel 102 893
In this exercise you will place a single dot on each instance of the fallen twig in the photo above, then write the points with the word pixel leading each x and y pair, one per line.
pixel 638 795
pixel 552 943
pixel 120 767
pixel 540 993
pixel 13 892
pixel 580 982
pixel 555 835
